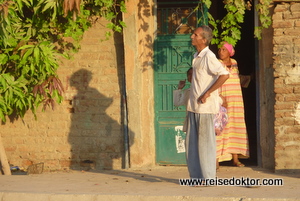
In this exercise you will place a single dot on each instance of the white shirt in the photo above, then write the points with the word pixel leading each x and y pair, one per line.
pixel 206 70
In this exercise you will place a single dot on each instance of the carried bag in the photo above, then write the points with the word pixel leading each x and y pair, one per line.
pixel 220 120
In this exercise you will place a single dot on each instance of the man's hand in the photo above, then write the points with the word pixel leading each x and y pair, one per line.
pixel 202 98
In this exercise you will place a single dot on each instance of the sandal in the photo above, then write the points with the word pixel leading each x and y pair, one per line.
pixel 239 164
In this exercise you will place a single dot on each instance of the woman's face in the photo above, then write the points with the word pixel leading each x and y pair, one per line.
pixel 223 53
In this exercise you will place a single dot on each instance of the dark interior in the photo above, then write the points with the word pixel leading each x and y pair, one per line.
pixel 245 56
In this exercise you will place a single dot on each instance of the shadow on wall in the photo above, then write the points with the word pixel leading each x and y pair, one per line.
pixel 96 139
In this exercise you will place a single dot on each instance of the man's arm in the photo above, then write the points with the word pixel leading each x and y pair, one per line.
pixel 215 86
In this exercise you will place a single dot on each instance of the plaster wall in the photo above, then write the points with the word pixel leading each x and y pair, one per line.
pixel 138 47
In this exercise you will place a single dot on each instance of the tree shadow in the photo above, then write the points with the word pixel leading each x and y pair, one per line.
pixel 96 139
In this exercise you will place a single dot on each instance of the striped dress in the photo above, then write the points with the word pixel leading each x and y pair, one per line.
pixel 234 139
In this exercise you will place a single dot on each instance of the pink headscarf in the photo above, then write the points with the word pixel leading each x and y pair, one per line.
pixel 229 47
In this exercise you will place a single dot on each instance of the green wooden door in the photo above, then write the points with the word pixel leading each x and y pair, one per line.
pixel 172 58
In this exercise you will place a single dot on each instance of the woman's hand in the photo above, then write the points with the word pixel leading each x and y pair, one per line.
pixel 224 104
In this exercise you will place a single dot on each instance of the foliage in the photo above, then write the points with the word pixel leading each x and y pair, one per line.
pixel 34 34
pixel 264 16
pixel 229 29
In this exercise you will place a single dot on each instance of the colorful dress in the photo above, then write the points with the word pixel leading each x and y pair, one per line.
pixel 234 139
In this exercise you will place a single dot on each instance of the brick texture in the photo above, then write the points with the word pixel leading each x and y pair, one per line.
pixel 286 86
pixel 84 132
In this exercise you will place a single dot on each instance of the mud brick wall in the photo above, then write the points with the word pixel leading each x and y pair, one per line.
pixel 286 24
pixel 85 130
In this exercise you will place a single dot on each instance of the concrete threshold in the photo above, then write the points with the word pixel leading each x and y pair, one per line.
pixel 155 183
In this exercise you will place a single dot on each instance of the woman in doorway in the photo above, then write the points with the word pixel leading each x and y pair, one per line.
pixel 232 144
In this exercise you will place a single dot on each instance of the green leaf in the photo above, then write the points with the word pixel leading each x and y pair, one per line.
pixel 26 47
pixel 36 54
pixel 123 7
pixel 3 59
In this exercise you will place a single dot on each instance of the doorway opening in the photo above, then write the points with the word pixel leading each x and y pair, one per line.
pixel 246 57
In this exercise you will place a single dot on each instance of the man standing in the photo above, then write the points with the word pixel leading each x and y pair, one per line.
pixel 208 75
